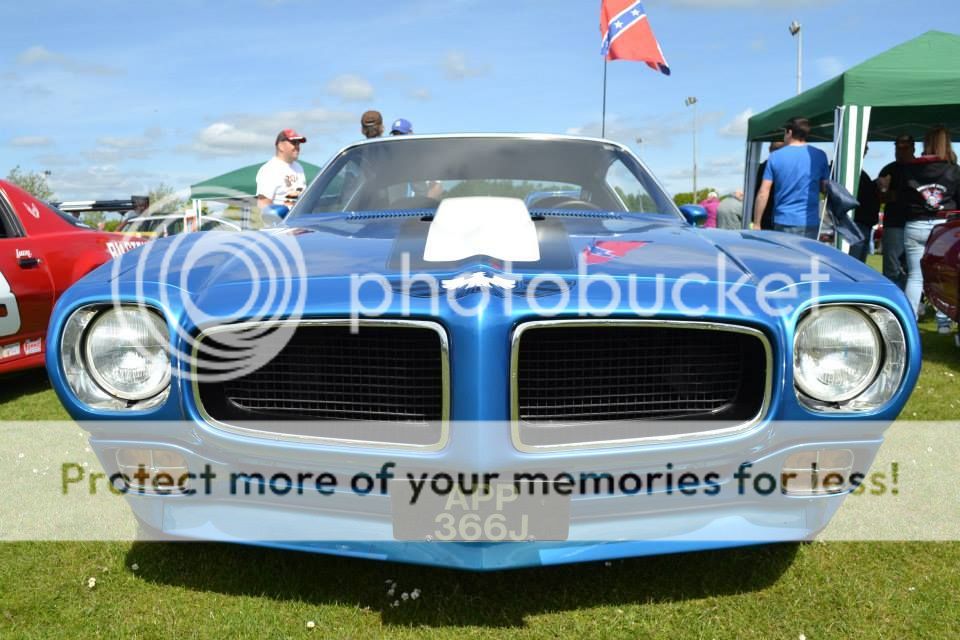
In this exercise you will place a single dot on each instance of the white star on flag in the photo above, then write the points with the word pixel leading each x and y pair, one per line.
pixel 635 12
pixel 618 24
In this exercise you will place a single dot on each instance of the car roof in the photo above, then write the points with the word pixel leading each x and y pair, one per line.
pixel 506 136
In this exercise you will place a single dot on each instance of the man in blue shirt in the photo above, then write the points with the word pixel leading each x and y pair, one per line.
pixel 796 174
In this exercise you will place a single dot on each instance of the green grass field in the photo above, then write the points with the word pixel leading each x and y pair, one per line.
pixel 198 590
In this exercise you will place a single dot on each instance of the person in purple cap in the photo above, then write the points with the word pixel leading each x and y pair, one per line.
pixel 401 127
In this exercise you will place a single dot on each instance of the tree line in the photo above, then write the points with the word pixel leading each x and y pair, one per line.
pixel 162 197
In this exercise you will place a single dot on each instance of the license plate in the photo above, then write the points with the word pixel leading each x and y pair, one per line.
pixel 499 512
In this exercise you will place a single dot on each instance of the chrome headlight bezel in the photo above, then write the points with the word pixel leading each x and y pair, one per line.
pixel 88 385
pixel 886 375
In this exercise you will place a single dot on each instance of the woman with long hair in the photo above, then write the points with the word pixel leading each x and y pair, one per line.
pixel 931 190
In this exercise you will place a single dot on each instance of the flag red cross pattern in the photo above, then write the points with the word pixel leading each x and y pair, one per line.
pixel 627 34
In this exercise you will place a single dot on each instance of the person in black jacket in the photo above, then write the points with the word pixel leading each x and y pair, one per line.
pixel 766 222
pixel 866 215
pixel 929 190
pixel 894 213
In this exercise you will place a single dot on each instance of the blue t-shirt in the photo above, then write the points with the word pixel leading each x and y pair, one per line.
pixel 796 171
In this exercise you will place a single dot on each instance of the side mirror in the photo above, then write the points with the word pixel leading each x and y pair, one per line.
pixel 695 214
pixel 280 210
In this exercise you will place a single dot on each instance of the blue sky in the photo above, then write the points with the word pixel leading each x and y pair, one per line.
pixel 115 97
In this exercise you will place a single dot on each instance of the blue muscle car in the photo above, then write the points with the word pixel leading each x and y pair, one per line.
pixel 426 364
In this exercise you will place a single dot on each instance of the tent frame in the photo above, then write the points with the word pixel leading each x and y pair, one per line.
pixel 906 89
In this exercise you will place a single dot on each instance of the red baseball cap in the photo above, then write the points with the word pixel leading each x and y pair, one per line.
pixel 291 136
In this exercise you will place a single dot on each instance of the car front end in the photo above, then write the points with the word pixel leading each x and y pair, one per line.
pixel 539 386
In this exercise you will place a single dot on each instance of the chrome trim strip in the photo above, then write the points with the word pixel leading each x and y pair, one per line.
pixel 332 322
pixel 606 444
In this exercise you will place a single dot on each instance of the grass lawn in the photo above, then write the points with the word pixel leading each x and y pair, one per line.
pixel 194 590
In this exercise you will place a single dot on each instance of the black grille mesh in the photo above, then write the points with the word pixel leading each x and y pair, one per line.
pixel 610 372
pixel 383 374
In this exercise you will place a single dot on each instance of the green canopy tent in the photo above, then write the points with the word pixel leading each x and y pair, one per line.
pixel 906 89
pixel 238 184
pixel 237 188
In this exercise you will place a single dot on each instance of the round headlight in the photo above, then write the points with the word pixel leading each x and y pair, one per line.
pixel 837 353
pixel 126 353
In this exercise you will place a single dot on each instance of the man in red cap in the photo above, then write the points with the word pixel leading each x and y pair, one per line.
pixel 281 179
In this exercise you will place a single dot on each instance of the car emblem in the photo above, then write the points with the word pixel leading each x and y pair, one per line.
pixel 33 210
pixel 601 251
pixel 479 280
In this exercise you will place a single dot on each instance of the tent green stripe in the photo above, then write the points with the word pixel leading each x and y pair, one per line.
pixel 854 123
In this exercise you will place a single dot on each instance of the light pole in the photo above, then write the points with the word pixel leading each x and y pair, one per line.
pixel 692 102
pixel 795 31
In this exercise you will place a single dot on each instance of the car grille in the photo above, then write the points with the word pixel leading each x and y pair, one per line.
pixel 385 383
pixel 571 378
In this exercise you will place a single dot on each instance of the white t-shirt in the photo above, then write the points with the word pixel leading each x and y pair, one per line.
pixel 276 179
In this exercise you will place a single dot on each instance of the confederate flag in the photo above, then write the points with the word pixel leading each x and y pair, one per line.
pixel 627 34
pixel 600 251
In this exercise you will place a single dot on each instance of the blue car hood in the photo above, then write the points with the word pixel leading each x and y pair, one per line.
pixel 645 246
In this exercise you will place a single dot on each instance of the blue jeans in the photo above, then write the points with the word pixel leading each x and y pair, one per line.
pixel 808 232
pixel 862 249
pixel 894 255
pixel 915 239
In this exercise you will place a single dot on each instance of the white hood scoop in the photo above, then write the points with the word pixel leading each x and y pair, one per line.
pixel 500 228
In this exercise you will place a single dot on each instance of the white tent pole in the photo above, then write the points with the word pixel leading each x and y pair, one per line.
pixel 751 164
pixel 851 126
pixel 196 212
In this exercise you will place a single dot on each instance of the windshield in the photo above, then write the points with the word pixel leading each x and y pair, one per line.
pixel 418 173
pixel 164 225
pixel 75 221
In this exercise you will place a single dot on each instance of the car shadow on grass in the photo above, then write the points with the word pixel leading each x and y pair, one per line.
pixel 939 348
pixel 14 386
pixel 449 598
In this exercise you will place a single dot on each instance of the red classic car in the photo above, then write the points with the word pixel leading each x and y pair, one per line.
pixel 42 252
pixel 941 267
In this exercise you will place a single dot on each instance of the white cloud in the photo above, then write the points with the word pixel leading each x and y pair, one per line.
pixel 223 138
pixel 724 173
pixel 737 128
pixel 107 181
pixel 16 85
pixel 122 143
pixel 111 149
pixel 759 45
pixel 249 133
pixel 830 66
pixel 30 141
pixel 52 159
pixel 656 131
pixel 421 94
pixel 457 67
pixel 350 88
pixel 41 56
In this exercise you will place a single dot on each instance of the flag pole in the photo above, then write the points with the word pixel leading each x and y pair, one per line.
pixel 603 116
